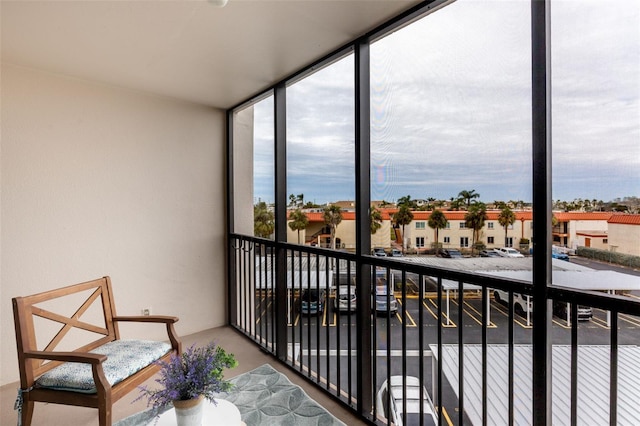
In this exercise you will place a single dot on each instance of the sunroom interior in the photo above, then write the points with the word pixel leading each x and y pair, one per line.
pixel 129 147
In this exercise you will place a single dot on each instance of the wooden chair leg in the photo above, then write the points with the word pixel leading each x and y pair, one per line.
pixel 104 416
pixel 27 412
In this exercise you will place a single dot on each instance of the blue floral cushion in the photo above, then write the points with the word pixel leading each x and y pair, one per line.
pixel 125 357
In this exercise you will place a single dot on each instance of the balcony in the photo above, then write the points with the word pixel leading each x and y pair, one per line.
pixel 475 364
pixel 249 357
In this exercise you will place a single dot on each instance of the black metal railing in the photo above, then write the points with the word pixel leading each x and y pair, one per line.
pixel 466 337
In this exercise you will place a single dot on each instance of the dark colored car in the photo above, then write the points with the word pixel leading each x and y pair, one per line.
pixel 489 253
pixel 312 301
pixel 450 253
pixel 560 310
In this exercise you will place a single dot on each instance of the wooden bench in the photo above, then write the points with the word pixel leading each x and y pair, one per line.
pixel 96 374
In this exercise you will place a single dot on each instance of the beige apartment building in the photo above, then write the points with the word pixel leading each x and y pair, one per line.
pixel 624 233
pixel 601 230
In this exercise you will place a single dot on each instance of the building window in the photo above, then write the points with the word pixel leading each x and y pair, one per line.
pixel 489 225
pixel 490 240
pixel 447 240
pixel 462 225
pixel 420 242
pixel 448 225
pixel 464 242
pixel 605 241
pixel 420 225
pixel 509 242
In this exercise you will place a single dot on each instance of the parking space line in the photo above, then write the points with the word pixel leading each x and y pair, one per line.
pixel 295 322
pixel 498 307
pixel 479 321
pixel 599 322
pixel 413 323
pixel 433 314
pixel 630 319
pixel 324 318
pixel 561 323
pixel 450 323
pixel 263 312
pixel 446 416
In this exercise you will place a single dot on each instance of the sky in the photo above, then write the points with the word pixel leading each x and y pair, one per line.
pixel 451 109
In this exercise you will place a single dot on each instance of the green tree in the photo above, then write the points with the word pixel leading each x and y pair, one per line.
pixel 474 219
pixel 407 201
pixel 296 200
pixel 437 221
pixel 403 217
pixel 468 196
pixel 298 221
pixel 507 218
pixel 263 220
pixel 375 220
pixel 332 216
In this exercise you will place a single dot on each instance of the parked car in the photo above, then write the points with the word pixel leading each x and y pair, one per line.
pixel 489 253
pixel 560 310
pixel 380 302
pixel 521 303
pixel 396 253
pixel 379 251
pixel 390 402
pixel 346 299
pixel 508 252
pixel 450 253
pixel 559 255
pixel 312 301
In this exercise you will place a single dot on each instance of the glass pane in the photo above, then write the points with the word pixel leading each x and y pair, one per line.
pixel 320 153
pixel 253 167
pixel 451 126
pixel 596 121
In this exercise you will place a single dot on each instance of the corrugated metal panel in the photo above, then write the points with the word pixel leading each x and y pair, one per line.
pixel 582 280
pixel 593 383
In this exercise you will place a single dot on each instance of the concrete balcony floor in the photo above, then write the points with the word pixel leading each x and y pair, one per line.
pixel 249 357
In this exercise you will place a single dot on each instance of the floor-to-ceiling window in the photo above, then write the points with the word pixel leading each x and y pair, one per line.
pixel 451 130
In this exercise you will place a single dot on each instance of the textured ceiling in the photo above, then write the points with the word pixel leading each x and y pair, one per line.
pixel 186 49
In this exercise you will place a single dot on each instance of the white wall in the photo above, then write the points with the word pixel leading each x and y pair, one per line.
pixel 101 181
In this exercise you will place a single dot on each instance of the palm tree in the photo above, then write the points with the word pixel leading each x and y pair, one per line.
pixel 437 221
pixel 474 219
pixel 375 220
pixel 263 220
pixel 332 216
pixel 507 218
pixel 298 221
pixel 406 201
pixel 403 217
pixel 468 196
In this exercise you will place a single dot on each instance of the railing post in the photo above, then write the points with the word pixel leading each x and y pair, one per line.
pixel 280 191
pixel 365 379
pixel 541 157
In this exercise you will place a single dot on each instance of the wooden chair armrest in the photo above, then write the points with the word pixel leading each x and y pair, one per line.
pixel 161 319
pixel 148 318
pixel 83 357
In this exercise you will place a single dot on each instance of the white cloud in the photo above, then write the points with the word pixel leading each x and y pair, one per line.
pixel 451 107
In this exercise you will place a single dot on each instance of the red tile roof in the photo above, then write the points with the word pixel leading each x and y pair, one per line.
pixel 567 216
pixel 494 214
pixel 625 219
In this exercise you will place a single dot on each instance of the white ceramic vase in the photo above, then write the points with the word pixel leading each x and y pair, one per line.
pixel 189 412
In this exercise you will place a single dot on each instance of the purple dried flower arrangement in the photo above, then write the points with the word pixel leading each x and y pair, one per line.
pixel 196 372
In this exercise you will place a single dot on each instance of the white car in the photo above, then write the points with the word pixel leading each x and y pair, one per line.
pixel 345 299
pixel 392 404
pixel 508 252
pixel 380 300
